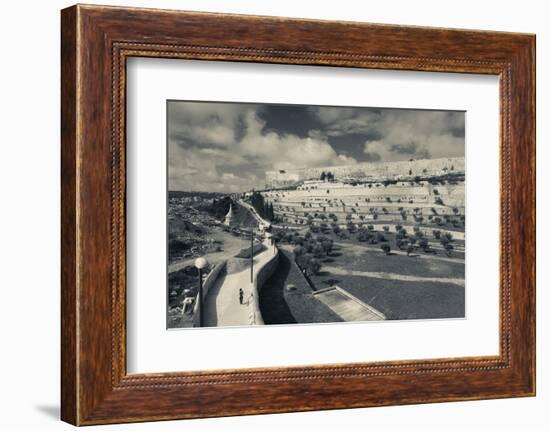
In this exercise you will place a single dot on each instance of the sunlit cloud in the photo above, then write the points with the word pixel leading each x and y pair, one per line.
pixel 228 146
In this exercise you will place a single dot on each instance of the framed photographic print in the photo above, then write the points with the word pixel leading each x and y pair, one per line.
pixel 328 206
pixel 268 215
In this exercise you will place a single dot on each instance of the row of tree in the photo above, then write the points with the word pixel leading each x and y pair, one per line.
pixel 219 207
pixel 308 250
pixel 264 209
pixel 326 176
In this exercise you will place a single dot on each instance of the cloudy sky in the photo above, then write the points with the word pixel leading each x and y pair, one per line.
pixel 227 147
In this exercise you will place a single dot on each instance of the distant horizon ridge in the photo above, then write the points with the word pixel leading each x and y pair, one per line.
pixel 359 164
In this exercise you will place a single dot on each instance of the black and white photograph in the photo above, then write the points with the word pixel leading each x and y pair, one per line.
pixel 295 214
pixel 275 215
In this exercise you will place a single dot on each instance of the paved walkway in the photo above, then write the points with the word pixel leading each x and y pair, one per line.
pixel 393 276
pixel 253 211
pixel 222 307
pixel 415 254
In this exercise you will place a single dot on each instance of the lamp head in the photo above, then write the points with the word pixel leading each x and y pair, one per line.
pixel 201 263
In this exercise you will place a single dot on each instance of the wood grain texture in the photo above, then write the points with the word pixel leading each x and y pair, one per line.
pixel 69 397
pixel 96 41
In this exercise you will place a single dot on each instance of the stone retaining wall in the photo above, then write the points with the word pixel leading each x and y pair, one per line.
pixel 261 276
pixel 208 283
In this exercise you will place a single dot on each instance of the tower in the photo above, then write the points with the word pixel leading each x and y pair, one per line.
pixel 229 217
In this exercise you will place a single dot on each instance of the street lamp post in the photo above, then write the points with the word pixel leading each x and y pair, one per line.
pixel 200 264
pixel 252 255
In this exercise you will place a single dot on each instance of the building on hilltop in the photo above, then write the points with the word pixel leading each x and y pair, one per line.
pixel 368 171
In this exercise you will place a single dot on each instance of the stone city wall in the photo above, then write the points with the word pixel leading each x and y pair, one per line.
pixel 369 171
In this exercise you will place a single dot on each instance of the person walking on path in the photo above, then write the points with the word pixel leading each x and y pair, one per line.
pixel 241 295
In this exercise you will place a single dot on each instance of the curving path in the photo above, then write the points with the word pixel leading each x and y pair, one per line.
pixel 253 211
pixel 222 307
pixel 393 276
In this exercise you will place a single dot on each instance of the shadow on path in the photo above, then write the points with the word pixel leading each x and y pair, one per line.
pixel 273 305
pixel 210 307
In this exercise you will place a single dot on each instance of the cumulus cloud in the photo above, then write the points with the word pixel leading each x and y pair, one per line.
pixel 229 146
pixel 339 121
pixel 397 134
pixel 208 140
pixel 419 135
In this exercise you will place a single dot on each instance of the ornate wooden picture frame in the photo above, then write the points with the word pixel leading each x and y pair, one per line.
pixel 96 41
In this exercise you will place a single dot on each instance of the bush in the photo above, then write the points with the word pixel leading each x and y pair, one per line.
pixel 327 246
pixel 380 237
pixel 178 246
pixel 304 261
pixel 314 266
pixel 364 235
pixel 423 243
pixel 277 236
pixel 318 250
pixel 386 248
pixel 386 228
pixel 247 252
